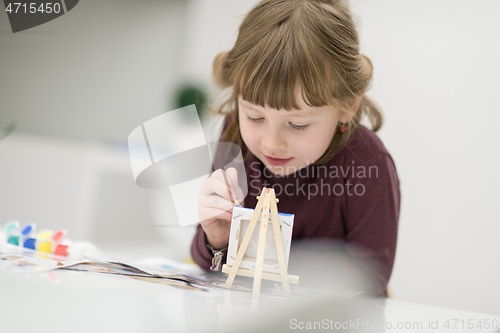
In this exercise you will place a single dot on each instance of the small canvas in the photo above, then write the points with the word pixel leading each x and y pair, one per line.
pixel 239 224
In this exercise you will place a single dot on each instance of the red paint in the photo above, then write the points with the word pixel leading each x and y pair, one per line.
pixel 57 236
pixel 61 250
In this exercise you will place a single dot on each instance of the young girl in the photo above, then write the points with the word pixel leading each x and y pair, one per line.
pixel 298 96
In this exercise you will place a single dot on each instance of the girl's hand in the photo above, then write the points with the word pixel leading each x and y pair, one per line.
pixel 215 207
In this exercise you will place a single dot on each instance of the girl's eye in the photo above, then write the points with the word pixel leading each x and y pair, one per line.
pixel 254 120
pixel 299 127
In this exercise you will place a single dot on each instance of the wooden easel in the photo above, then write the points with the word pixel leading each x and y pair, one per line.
pixel 267 203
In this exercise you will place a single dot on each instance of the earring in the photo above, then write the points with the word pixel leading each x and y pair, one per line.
pixel 343 127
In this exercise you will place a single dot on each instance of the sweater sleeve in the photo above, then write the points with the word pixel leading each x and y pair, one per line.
pixel 201 254
pixel 371 218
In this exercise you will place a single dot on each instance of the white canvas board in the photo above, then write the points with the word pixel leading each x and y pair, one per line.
pixel 239 224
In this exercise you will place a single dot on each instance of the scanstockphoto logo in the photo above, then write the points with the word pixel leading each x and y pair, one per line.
pixel 24 15
pixel 170 152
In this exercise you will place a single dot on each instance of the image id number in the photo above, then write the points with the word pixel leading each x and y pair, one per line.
pixel 32 8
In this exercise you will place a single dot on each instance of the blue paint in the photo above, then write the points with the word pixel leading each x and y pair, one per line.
pixel 30 243
pixel 26 230
pixel 285 214
pixel 282 214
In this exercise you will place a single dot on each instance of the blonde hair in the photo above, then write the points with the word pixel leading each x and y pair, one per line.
pixel 287 44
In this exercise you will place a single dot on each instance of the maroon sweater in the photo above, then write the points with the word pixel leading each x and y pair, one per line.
pixel 354 197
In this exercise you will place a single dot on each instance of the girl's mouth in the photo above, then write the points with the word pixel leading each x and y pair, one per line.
pixel 277 161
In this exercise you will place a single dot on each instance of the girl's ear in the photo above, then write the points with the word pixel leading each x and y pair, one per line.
pixel 354 105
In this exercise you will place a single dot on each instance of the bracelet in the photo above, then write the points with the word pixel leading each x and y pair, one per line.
pixel 217 259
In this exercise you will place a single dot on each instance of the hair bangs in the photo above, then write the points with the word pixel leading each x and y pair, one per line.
pixel 278 67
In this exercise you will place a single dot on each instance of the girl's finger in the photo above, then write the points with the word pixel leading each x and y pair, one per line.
pixel 215 186
pixel 218 213
pixel 216 202
pixel 232 175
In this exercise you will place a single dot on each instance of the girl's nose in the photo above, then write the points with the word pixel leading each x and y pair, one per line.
pixel 273 140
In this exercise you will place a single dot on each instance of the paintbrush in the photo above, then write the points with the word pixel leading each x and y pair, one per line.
pixel 229 190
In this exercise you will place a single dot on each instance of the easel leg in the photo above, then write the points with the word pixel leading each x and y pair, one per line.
pixel 244 244
pixel 262 242
pixel 279 247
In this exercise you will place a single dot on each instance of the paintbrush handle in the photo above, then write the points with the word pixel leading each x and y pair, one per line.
pixel 229 190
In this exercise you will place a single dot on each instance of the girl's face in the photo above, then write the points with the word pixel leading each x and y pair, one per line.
pixel 286 141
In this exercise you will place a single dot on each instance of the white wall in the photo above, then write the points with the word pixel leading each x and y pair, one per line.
pixel 436 76
pixel 94 73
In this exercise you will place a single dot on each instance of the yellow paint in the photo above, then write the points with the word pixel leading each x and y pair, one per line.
pixel 45 247
pixel 44 235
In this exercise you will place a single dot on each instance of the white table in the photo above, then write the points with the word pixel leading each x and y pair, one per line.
pixel 68 301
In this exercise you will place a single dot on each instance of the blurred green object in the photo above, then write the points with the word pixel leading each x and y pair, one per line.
pixel 191 94
pixel 5 131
